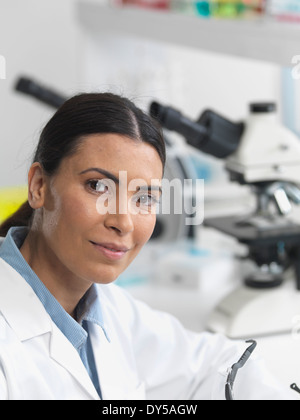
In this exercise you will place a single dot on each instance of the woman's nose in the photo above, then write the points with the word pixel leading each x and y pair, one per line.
pixel 120 222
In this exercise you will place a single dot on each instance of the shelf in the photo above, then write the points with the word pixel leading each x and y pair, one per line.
pixel 259 39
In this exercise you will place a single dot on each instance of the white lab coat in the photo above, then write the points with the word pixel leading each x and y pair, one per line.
pixel 149 355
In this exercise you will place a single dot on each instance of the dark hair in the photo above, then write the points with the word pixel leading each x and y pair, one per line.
pixel 84 114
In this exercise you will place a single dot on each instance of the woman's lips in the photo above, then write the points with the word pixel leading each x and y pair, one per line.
pixel 111 251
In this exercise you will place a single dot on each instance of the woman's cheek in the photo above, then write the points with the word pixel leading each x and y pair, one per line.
pixel 145 227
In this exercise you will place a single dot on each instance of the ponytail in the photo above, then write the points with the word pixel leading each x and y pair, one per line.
pixel 22 217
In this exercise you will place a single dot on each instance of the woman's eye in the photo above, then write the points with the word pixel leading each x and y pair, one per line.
pixel 147 200
pixel 98 186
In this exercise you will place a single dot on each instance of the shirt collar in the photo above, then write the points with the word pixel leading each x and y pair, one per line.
pixel 88 309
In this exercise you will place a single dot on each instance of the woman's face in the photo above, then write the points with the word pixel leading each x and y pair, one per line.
pixel 92 223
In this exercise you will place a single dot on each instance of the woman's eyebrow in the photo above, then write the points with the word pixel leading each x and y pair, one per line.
pixel 111 176
pixel 107 174
pixel 151 188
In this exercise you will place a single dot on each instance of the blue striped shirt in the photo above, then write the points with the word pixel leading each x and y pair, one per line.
pixel 88 309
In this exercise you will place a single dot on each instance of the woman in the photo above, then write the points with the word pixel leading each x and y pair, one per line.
pixel 65 331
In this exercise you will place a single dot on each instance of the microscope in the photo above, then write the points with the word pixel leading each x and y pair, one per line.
pixel 262 154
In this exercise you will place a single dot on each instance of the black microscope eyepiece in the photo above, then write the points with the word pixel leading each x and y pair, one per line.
pixel 212 133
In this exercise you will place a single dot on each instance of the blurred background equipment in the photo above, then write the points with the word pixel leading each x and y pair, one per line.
pixel 42 93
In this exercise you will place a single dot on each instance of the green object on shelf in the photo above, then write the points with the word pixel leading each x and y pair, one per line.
pixel 228 9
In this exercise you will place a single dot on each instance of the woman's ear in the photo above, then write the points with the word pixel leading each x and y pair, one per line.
pixel 36 186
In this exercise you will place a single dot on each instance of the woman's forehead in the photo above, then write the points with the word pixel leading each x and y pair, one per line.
pixel 115 152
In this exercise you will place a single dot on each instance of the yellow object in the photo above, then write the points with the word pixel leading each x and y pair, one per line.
pixel 11 199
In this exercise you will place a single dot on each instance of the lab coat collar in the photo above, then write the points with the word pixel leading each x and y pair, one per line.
pixel 20 306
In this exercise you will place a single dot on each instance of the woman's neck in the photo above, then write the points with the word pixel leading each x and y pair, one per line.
pixel 67 288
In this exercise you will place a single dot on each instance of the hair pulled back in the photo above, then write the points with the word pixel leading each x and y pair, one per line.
pixel 84 114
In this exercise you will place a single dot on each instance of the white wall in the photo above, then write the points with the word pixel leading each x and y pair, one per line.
pixel 38 39
pixel 189 79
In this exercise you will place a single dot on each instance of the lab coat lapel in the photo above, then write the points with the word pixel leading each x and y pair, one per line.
pixel 116 369
pixel 62 351
pixel 107 366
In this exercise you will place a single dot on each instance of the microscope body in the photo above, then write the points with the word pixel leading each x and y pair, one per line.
pixel 267 152
pixel 262 154
pixel 267 159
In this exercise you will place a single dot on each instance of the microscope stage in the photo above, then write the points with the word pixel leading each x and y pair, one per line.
pixel 256 230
